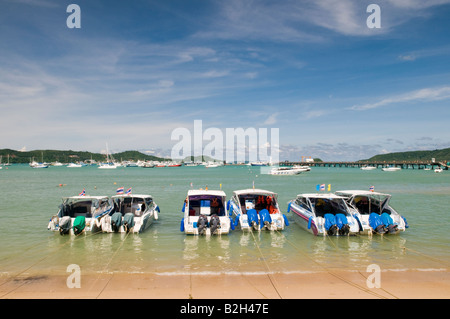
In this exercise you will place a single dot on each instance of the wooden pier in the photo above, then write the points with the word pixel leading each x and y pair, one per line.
pixel 359 164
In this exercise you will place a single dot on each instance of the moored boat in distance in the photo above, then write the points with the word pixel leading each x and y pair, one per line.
pixel 323 214
pixel 285 170
pixel 205 213
pixel 256 209
pixel 80 214
pixel 373 211
pixel 391 169
pixel 132 213
pixel 368 168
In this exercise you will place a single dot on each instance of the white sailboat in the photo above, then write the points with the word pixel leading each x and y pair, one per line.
pixel 109 163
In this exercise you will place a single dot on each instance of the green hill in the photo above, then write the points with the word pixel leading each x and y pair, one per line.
pixel 69 156
pixel 442 155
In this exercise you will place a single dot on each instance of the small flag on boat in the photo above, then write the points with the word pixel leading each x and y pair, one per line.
pixel 128 192
pixel 329 187
pixel 372 188
pixel 317 187
pixel 119 191
pixel 322 187
pixel 192 184
pixel 83 193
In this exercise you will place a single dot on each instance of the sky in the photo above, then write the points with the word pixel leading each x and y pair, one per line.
pixel 137 70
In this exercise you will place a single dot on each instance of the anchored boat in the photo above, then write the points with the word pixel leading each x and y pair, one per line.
pixel 323 214
pixel 132 213
pixel 256 209
pixel 373 212
pixel 205 213
pixel 78 214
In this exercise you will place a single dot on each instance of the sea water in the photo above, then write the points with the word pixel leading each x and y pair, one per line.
pixel 29 197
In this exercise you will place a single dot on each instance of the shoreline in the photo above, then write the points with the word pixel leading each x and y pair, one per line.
pixel 332 284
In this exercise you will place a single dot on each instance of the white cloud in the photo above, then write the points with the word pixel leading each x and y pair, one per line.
pixel 272 119
pixel 426 94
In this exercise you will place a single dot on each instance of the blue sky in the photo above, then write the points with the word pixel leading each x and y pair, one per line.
pixel 136 70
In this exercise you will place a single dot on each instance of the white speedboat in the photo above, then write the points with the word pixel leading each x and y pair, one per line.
pixel 391 169
pixel 109 165
pixel 368 168
pixel 212 164
pixel 78 214
pixel 373 212
pixel 259 163
pixel 323 214
pixel 132 213
pixel 284 170
pixel 438 170
pixel 74 165
pixel 205 213
pixel 256 209
pixel 35 164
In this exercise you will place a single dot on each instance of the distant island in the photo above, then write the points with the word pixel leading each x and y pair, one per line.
pixel 69 156
pixel 442 155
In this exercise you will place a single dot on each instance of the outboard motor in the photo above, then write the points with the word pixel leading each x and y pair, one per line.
pixel 64 225
pixel 265 218
pixel 377 224
pixel 79 224
pixel 128 221
pixel 202 224
pixel 342 224
pixel 252 218
pixel 116 221
pixel 330 224
pixel 214 223
pixel 389 223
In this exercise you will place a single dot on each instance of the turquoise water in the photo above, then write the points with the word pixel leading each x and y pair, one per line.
pixel 29 197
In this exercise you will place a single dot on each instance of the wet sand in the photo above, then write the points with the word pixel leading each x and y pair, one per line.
pixel 318 285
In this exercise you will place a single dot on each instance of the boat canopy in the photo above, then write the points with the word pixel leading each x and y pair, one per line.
pixel 206 202
pixel 367 202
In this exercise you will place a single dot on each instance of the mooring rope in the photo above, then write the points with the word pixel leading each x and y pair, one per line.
pixel 362 288
pixel 267 266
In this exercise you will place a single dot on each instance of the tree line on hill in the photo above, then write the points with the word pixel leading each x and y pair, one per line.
pixel 69 156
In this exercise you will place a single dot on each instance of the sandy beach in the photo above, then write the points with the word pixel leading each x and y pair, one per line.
pixel 419 284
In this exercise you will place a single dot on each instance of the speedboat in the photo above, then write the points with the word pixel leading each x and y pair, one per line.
pixel 282 170
pixel 35 164
pixel 205 213
pixel 438 170
pixel 323 214
pixel 256 209
pixel 373 212
pixel 109 165
pixel 212 165
pixel 132 213
pixel 259 163
pixel 74 165
pixel 368 168
pixel 78 214
pixel 391 169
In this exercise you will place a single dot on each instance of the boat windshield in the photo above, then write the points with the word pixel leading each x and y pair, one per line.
pixel 370 204
pixel 75 208
pixel 134 205
pixel 258 202
pixel 206 205
pixel 333 206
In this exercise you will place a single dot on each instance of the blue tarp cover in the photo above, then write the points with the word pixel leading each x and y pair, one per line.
pixel 330 220
pixel 341 220
pixel 375 220
pixel 386 219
